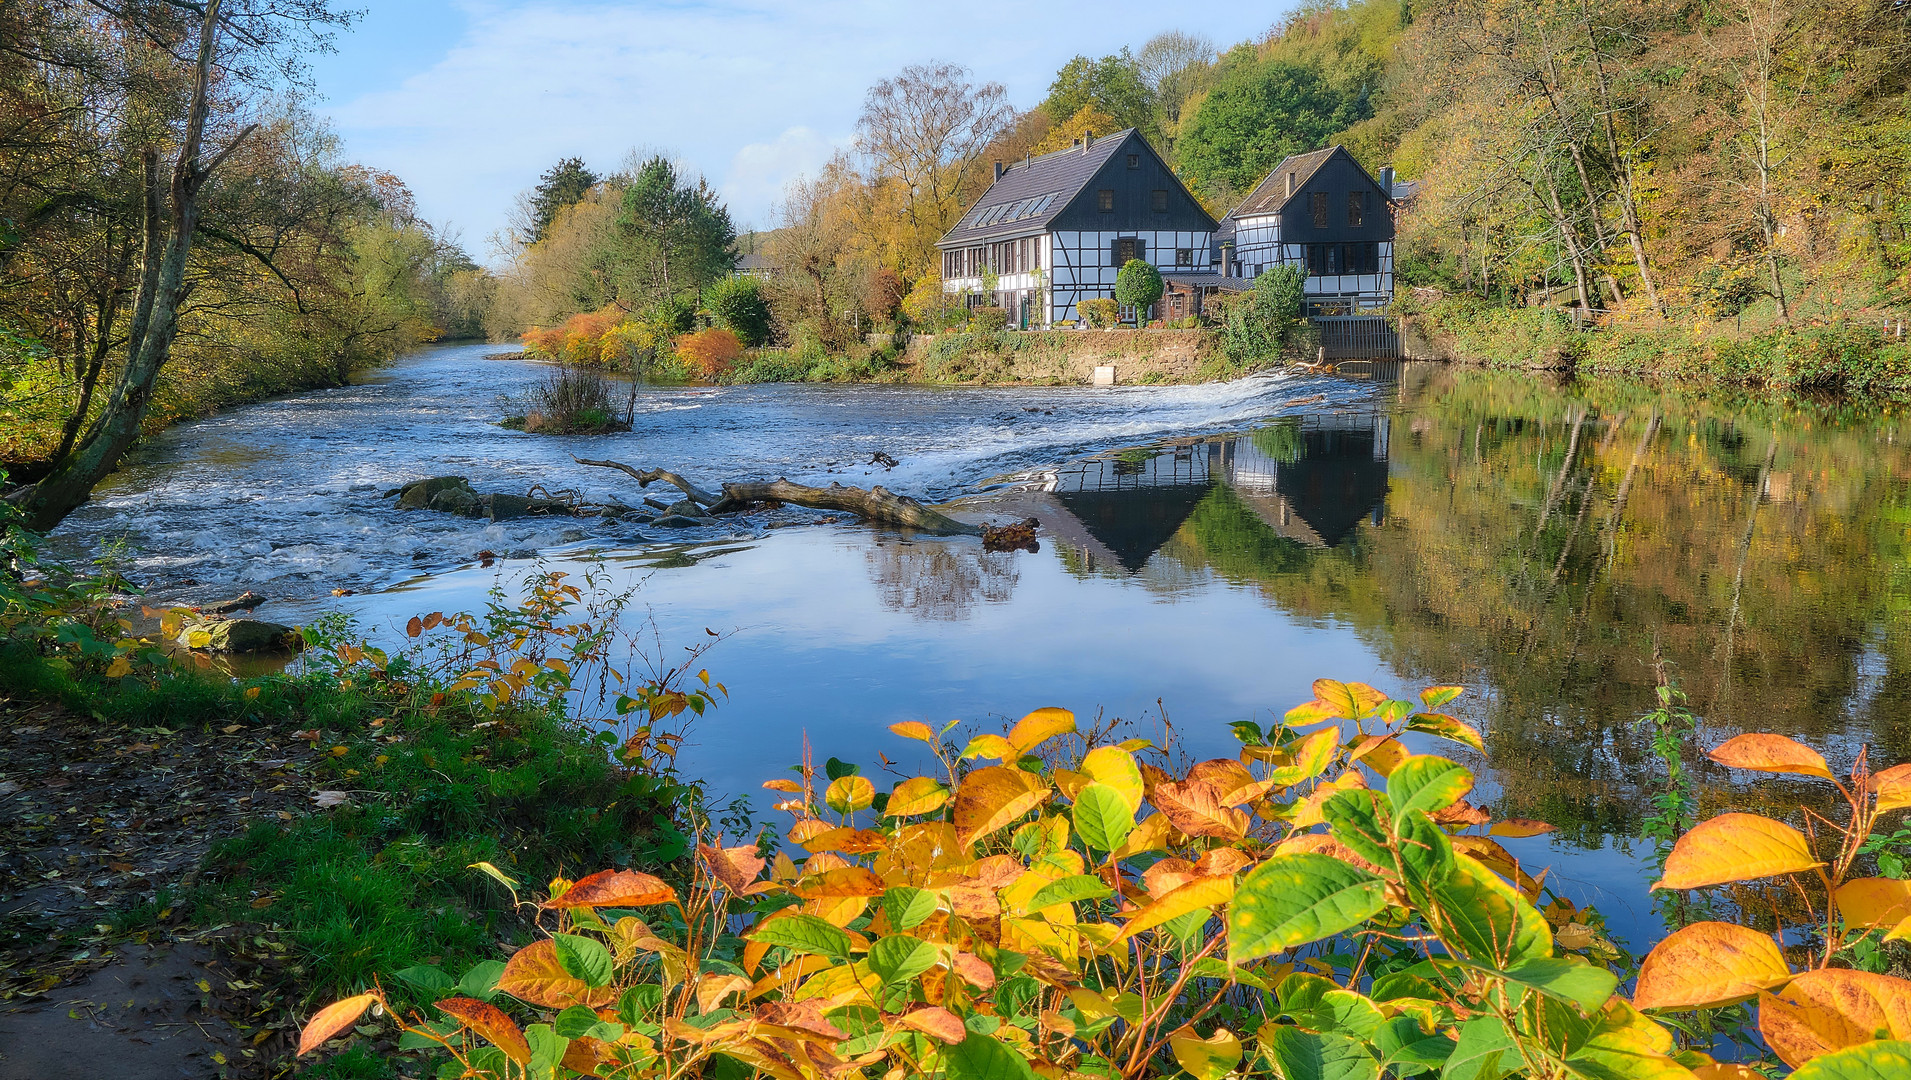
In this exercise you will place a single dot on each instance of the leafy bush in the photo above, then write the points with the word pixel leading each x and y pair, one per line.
pixel 988 320
pixel 569 401
pixel 739 306
pixel 1328 896
pixel 1138 285
pixel 1259 325
pixel 709 353
pixel 1101 313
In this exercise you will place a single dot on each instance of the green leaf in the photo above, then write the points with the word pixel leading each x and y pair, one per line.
pixel 547 1049
pixel 428 979
pixel 1334 1010
pixel 585 958
pixel 1426 853
pixel 575 1021
pixel 908 907
pixel 417 1040
pixel 804 934
pixel 1485 921
pixel 1584 986
pixel 1398 985
pixel 639 1003
pixel 1102 817
pixel 1886 1059
pixel 1355 819
pixel 1404 1045
pixel 1068 890
pixel 983 1057
pixel 899 958
pixel 1294 899
pixel 481 981
pixel 1306 1055
pixel 1483 1046
pixel 1426 783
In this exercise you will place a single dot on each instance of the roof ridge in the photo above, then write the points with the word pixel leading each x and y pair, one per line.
pixel 1075 149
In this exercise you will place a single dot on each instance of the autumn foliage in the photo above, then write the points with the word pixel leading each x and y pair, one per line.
pixel 709 353
pixel 586 338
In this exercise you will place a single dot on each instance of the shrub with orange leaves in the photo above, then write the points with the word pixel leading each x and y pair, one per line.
pixel 709 353
pixel 581 339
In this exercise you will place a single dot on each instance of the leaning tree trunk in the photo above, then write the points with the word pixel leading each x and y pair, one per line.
pixel 876 504
pixel 170 214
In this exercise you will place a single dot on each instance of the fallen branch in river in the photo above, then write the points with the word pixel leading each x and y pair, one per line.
pixel 876 505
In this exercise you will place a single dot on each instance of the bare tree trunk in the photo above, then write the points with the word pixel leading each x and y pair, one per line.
pixel 1555 93
pixel 1627 188
pixel 1569 236
pixel 171 213
pixel 1758 99
pixel 875 504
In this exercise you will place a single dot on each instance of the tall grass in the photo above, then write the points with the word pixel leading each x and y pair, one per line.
pixel 570 401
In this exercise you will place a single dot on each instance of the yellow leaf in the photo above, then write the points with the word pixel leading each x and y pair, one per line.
pixel 914 729
pixel 1735 847
pixel 120 666
pixel 1872 902
pixel 1196 894
pixel 989 746
pixel 848 794
pixel 917 795
pixel 1115 767
pixel 1206 1059
pixel 1350 701
pixel 1770 753
pixel 994 797
pixel 1040 726
pixel 1830 1009
pixel 1708 964
pixel 333 1019
pixel 1310 759
pixel 1195 808
pixel 533 974
pixel 1893 787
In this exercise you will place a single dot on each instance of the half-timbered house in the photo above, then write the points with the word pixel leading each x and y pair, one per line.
pixel 1323 212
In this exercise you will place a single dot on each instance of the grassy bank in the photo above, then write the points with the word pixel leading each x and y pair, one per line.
pixel 1837 358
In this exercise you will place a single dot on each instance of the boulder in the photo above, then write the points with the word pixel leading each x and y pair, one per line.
pixel 679 521
pixel 686 508
pixel 461 501
pixel 239 636
pixel 503 507
pixel 417 495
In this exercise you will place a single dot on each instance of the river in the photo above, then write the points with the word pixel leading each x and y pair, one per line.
pixel 1206 552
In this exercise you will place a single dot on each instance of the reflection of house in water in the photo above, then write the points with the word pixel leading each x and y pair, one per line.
pixel 1310 479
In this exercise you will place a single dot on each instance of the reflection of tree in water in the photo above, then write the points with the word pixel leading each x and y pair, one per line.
pixel 940 581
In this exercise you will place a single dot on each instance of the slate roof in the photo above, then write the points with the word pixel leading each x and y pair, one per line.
pixel 1271 193
pixel 1061 174
pixel 1208 277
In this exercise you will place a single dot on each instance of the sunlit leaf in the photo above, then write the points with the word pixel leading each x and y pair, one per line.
pixel 914 729
pixel 1426 783
pixel 1874 902
pixel 1350 701
pixel 916 795
pixel 1196 895
pixel 1708 964
pixel 614 888
pixel 1040 726
pixel 1893 787
pixel 1570 979
pixel 1888 1059
pixel 1116 768
pixel 908 907
pixel 848 794
pixel 1103 819
pixel 993 798
pixel 537 975
pixel 1307 1055
pixel 1195 808
pixel 331 1020
pixel 583 958
pixel 1435 696
pixel 1625 1043
pixel 490 1023
pixel 1735 847
pixel 1447 727
pixel 1291 900
pixel 1402 1042
pixel 899 958
pixel 1485 1050
pixel 1069 890
pixel 803 934
pixel 1770 753
pixel 1520 827
pixel 989 746
pixel 937 1023
pixel 984 1057
pixel 1485 920
pixel 1827 1010
pixel 839 882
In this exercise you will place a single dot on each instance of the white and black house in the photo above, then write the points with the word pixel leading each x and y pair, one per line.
pixel 1056 229
pixel 1323 212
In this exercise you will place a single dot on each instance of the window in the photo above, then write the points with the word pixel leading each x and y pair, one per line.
pixel 1159 200
pixel 1126 248
pixel 1319 205
pixel 1360 258
pixel 1356 208
pixel 1134 161
pixel 1184 256
pixel 1105 200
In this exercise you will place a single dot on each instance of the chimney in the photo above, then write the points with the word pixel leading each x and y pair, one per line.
pixel 1386 180
pixel 1088 140
pixel 1290 185
pixel 998 170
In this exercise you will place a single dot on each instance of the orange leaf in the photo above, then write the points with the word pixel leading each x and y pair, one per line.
pixel 1770 753
pixel 1197 894
pixel 713 988
pixel 992 798
pixel 802 832
pixel 787 786
pixel 735 867
pixel 1194 806
pixel 415 627
pixel 974 970
pixel 1874 901
pixel 916 795
pixel 490 1022
pixel 938 1023
pixel 614 888
pixel 534 975
pixel 840 882
pixel 1040 726
pixel 584 1054
pixel 333 1019
pixel 1735 847
pixel 1708 964
pixel 1726 1070
pixel 1323 844
pixel 1830 1009
pixel 915 729
pixel 1379 753
pixel 1893 786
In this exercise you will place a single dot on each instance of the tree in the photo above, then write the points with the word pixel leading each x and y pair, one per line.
pixel 676 236
pixel 1174 67
pixel 1113 84
pixel 563 184
pixel 738 305
pixel 1258 324
pixel 200 76
pixel 1256 115
pixel 1138 285
pixel 923 134
pixel 1090 120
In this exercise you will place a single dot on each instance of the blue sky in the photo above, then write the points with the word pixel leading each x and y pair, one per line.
pixel 469 101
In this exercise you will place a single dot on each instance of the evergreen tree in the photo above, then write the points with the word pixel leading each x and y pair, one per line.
pixel 561 186
pixel 676 236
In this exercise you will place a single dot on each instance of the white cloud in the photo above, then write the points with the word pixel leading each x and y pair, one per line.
pixel 750 92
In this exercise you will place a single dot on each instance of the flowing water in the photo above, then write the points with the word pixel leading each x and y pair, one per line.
pixel 1207 552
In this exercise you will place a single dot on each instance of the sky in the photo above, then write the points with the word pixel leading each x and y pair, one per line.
pixel 470 101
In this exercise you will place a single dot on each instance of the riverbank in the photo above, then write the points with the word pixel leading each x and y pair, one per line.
pixel 1837 358
pixel 1005 358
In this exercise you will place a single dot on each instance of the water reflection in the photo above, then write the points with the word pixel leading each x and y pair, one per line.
pixel 937 581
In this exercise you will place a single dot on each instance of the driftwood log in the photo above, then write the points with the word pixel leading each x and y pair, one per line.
pixel 876 504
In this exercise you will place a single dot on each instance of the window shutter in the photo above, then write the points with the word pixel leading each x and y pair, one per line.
pixel 1114 252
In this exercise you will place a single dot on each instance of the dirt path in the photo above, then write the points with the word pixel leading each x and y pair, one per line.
pixel 106 826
